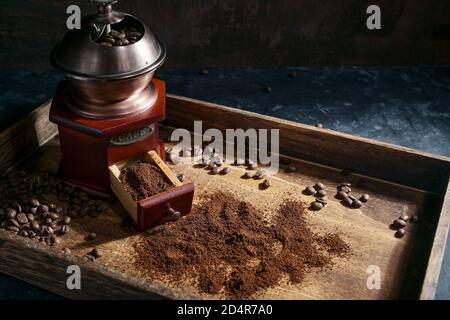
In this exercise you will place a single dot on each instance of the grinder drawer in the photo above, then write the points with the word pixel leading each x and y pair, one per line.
pixel 158 208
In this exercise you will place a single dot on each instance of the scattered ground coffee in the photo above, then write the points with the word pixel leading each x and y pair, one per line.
pixel 232 248
pixel 143 180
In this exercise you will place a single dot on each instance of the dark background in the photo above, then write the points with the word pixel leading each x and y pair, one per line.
pixel 391 84
pixel 236 33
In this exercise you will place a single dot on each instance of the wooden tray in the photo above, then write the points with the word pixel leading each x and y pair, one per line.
pixel 399 180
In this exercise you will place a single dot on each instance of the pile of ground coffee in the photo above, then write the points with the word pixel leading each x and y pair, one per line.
pixel 143 180
pixel 232 249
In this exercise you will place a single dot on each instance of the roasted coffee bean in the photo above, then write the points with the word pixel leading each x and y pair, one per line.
pixel 102 206
pixel 10 213
pixel 43 208
pixel 414 218
pixel 320 194
pixel 319 186
pixel 400 233
pixel 30 217
pixel 364 198
pixel 106 44
pixel 215 170
pixel 319 125
pixel 96 253
pixel 290 169
pixel 356 203
pixel 267 89
pixel 225 170
pixel 13 228
pixel 322 201
pixel 347 202
pixel 24 233
pixel 48 221
pixel 252 166
pixel 85 211
pixel 14 223
pixel 53 216
pixel 341 195
pixel 309 191
pixel 16 206
pixel 212 165
pixel 52 207
pixel 265 184
pixel 404 217
pixel 399 223
pixel 72 213
pixel 4 224
pixel 248 175
pixel 34 203
pixel 34 225
pixel 22 218
pixel 316 206
pixel 345 189
pixel 64 229
pixel 92 236
pixel 34 210
pixel 109 40
pixel 66 251
pixel 261 174
pixel 58 210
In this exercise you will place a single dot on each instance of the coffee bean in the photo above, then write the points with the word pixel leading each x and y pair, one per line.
pixel 30 217
pixel 290 169
pixel 404 217
pixel 43 208
pixel 48 220
pixel 319 186
pixel 24 233
pixel 34 203
pixel 96 253
pixel 414 218
pixel 316 206
pixel 399 223
pixel 53 216
pixel 319 125
pixel 215 170
pixel 400 233
pixel 52 207
pixel 22 218
pixel 34 225
pixel 66 251
pixel 341 195
pixel 364 198
pixel 16 206
pixel 345 189
pixel 102 206
pixel 267 89
pixel 55 241
pixel 84 211
pixel 13 228
pixel 309 191
pixel 212 165
pixel 322 201
pixel 58 210
pixel 92 236
pixel 252 166
pixel 356 203
pixel 11 213
pixel 347 202
pixel 64 229
pixel 265 184
pixel 261 174
pixel 320 194
pixel 14 222
pixel 225 170
pixel 34 210
pixel 248 175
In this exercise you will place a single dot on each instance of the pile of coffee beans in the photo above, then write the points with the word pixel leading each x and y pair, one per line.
pixel 32 206
pixel 347 199
pixel 318 191
pixel 401 222
pixel 121 37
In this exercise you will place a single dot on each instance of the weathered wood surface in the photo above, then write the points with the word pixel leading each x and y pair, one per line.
pixel 365 229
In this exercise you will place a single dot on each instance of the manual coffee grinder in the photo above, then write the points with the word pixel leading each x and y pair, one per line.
pixel 109 106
